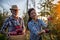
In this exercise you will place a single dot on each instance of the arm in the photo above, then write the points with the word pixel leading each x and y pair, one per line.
pixel 34 30
pixel 24 29
pixel 5 24
pixel 45 27
pixel 43 24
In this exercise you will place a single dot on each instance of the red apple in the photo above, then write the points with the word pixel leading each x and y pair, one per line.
pixel 13 33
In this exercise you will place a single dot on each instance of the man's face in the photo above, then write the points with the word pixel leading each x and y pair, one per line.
pixel 14 12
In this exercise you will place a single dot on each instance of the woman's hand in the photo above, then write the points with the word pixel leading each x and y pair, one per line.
pixel 47 30
pixel 43 31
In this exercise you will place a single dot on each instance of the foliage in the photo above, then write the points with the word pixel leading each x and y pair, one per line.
pixel 2 18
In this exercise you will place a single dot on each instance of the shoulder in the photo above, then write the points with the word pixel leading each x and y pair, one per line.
pixel 29 23
pixel 7 19
pixel 20 18
pixel 40 20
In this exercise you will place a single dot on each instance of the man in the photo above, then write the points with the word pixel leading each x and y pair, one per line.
pixel 14 24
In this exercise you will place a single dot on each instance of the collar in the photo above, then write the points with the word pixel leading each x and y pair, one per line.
pixel 11 17
pixel 34 21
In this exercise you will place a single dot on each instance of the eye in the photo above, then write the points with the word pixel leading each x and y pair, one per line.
pixel 15 10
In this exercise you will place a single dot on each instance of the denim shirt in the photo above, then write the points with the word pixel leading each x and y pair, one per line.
pixel 34 28
pixel 10 23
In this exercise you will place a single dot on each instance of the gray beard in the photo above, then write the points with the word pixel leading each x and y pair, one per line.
pixel 13 14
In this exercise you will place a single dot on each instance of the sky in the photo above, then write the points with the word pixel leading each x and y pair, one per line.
pixel 6 4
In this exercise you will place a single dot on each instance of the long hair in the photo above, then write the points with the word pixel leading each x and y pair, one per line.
pixel 29 11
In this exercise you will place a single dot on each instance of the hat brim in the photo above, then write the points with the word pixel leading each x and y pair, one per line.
pixel 14 9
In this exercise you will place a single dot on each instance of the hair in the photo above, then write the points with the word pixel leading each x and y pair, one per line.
pixel 29 11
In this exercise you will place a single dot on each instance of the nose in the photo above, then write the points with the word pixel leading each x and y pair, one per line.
pixel 34 14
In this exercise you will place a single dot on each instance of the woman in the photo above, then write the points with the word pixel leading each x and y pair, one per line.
pixel 35 25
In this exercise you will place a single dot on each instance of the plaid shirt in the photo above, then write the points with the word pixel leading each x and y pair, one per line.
pixel 10 23
pixel 34 28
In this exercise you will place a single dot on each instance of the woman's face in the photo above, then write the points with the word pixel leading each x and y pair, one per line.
pixel 33 14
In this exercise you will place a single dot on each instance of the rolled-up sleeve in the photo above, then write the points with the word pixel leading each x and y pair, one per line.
pixel 33 29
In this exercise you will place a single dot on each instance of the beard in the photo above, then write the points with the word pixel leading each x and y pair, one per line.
pixel 15 15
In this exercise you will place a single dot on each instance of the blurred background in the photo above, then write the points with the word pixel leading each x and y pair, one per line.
pixel 47 10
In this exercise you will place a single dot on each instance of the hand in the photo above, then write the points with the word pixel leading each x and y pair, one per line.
pixel 47 30
pixel 43 31
pixel 24 31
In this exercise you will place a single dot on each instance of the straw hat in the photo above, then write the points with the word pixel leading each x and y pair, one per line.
pixel 14 7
